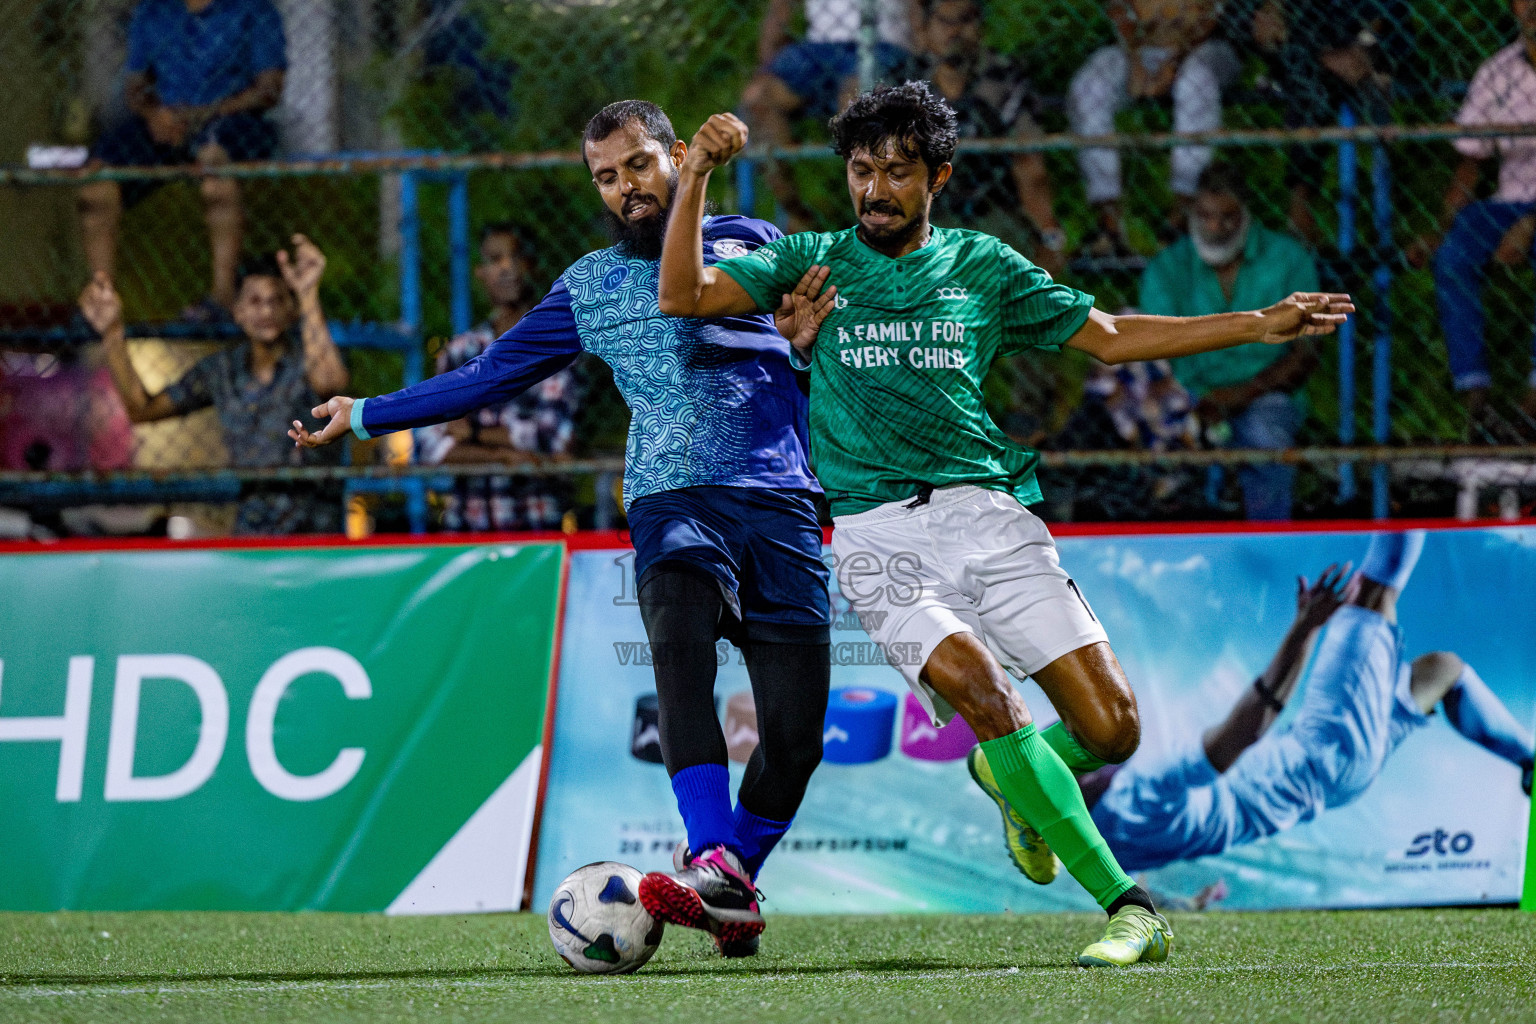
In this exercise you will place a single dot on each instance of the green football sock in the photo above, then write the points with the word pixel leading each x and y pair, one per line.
pixel 1040 787
pixel 1070 751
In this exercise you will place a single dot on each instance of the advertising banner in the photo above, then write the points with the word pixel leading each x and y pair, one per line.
pixel 1353 797
pixel 273 728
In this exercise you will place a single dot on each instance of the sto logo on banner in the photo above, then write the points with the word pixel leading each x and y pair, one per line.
pixel 69 730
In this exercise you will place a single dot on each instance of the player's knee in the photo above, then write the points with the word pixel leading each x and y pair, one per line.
pixel 1432 677
pixel 1111 732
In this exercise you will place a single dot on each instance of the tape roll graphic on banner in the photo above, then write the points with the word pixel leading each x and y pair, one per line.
pixel 921 740
pixel 645 733
pixel 740 726
pixel 859 725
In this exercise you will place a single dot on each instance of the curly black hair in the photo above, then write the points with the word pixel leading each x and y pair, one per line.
pixel 917 123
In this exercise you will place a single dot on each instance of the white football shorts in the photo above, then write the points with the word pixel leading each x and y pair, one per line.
pixel 970 560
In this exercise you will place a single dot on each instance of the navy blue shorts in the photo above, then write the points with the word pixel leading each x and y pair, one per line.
pixel 762 546
pixel 816 72
pixel 244 136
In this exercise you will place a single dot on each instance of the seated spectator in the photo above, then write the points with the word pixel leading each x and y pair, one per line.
pixel 540 422
pixel 1165 49
pixel 1004 195
pixel 815 76
pixel 1502 92
pixel 1227 262
pixel 1325 55
pixel 258 388
pixel 1130 407
pixel 201 75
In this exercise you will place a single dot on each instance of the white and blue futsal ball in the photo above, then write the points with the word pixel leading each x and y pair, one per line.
pixel 597 923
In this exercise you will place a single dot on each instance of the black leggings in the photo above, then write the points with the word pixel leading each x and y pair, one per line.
pixel 683 610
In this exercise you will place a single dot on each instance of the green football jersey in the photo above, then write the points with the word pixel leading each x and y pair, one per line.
pixel 897 370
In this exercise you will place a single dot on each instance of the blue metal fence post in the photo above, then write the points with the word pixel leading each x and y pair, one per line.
pixel 746 188
pixel 1381 355
pixel 458 252
pixel 1348 192
pixel 410 271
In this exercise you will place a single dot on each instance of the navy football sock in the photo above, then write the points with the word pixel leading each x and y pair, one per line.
pixel 704 800
pixel 757 837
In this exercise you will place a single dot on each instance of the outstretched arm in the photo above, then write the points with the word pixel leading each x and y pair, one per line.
pixel 541 344
pixel 1260 704
pixel 1136 337
pixel 687 287
pixel 103 310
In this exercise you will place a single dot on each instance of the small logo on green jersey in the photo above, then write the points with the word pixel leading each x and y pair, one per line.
pixel 954 293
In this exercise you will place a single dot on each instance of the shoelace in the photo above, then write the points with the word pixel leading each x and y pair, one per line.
pixel 722 873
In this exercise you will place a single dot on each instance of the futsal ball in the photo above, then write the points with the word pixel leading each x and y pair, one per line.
pixel 597 923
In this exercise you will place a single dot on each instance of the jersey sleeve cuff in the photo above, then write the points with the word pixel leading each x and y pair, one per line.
pixel 754 292
pixel 797 361
pixel 357 421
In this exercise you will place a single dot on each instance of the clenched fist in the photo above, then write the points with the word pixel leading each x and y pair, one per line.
pixel 721 137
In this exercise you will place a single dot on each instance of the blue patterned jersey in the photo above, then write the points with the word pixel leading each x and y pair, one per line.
pixel 712 402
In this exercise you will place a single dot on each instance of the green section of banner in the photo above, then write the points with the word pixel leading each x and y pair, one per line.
pixel 428 664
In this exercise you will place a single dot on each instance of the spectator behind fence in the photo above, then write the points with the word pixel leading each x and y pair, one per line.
pixel 1130 407
pixel 1007 195
pixel 539 422
pixel 814 76
pixel 1502 92
pixel 258 387
pixel 1325 55
pixel 1229 261
pixel 1165 48
pixel 201 75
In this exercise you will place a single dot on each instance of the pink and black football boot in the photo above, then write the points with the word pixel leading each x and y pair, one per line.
pixel 710 892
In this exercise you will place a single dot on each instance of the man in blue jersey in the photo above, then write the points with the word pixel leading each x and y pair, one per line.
pixel 1240 781
pixel 719 495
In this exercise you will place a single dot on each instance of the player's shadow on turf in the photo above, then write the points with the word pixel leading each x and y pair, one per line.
pixel 17 980
pixel 891 965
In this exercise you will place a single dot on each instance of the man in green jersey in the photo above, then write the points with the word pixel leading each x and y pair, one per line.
pixel 949 572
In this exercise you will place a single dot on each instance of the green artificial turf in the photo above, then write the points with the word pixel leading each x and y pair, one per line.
pixel 1409 965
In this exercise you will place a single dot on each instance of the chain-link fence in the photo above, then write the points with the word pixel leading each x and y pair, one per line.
pixel 1257 148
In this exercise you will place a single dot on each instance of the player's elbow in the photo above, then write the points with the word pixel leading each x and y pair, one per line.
pixel 675 305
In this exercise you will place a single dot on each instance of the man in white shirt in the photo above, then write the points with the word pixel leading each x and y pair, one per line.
pixel 1502 92
pixel 815 76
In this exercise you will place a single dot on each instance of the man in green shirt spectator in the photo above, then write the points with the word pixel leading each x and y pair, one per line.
pixel 1228 262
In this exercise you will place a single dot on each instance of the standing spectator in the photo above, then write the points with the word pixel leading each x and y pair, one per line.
pixel 539 422
pixel 258 387
pixel 1229 261
pixel 1326 55
pixel 1165 48
pixel 1004 195
pixel 201 76
pixel 1502 92
pixel 813 77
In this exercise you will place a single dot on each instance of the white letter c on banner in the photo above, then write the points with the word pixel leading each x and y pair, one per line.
pixel 259 748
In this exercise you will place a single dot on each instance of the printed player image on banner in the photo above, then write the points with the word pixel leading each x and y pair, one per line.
pixel 273 729
pixel 1309 739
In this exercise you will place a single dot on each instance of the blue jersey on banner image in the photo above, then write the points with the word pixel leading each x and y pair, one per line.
pixel 712 402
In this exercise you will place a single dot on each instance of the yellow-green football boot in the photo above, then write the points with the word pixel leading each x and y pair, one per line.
pixel 1133 936
pixel 1029 851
